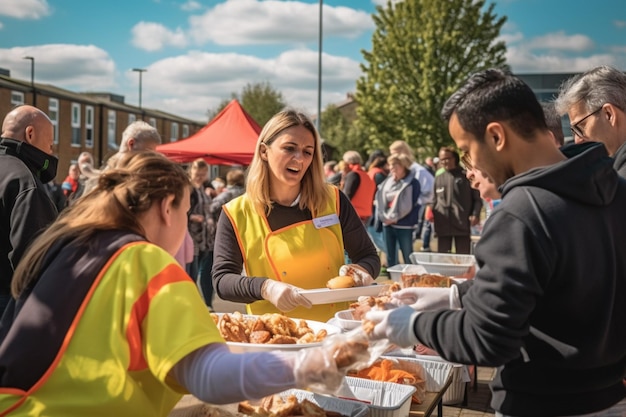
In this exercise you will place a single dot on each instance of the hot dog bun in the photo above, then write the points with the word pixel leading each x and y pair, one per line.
pixel 342 281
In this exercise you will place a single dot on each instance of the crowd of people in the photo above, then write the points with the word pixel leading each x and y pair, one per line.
pixel 107 279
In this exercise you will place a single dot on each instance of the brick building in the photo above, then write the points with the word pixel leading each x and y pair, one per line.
pixel 91 122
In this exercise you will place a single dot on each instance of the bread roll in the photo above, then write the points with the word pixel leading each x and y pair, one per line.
pixel 342 281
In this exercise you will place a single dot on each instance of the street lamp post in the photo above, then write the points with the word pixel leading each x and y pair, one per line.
pixel 140 71
pixel 319 74
pixel 32 78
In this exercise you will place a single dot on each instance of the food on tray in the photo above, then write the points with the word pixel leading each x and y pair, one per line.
pixel 398 371
pixel 425 280
pixel 269 328
pixel 277 406
pixel 381 302
pixel 341 281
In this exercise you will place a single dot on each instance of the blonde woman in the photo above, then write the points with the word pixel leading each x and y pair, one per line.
pixel 105 322
pixel 290 229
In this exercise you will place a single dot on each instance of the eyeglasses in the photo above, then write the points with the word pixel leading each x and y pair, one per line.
pixel 577 131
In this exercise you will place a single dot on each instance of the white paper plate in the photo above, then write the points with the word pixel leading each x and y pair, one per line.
pixel 346 321
pixel 326 295
pixel 237 347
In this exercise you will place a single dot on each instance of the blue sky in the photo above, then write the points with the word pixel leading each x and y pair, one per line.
pixel 198 52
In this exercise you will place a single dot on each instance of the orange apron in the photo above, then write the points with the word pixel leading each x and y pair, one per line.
pixel 300 254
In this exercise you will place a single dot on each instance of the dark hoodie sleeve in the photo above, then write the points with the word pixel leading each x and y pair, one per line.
pixel 490 328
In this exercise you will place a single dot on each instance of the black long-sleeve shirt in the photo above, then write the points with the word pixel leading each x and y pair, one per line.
pixel 228 261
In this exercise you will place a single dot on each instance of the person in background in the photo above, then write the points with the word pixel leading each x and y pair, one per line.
pixel 235 186
pixel 86 172
pixel 126 331
pixel 290 229
pixel 398 208
pixel 56 194
pixel 377 153
pixel 202 230
pixel 424 177
pixel 553 120
pixel 522 312
pixel 329 168
pixel 378 171
pixel 70 183
pixel 26 164
pixel 358 186
pixel 457 205
pixel 595 102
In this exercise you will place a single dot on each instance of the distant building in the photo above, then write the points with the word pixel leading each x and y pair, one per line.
pixel 88 122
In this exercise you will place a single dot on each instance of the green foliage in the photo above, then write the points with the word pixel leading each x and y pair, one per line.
pixel 422 51
pixel 260 100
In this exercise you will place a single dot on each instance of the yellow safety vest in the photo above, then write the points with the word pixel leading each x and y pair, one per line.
pixel 299 254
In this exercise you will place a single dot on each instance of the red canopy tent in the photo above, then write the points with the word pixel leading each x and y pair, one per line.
pixel 229 139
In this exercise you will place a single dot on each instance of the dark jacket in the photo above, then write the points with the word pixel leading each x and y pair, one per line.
pixel 455 201
pixel 548 305
pixel 25 207
pixel 620 160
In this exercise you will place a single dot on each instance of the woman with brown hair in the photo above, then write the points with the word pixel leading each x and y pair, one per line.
pixel 104 320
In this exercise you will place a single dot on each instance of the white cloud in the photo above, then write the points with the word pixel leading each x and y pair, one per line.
pixel 154 36
pixel 74 67
pixel 620 24
pixel 239 22
pixel 191 6
pixel 561 41
pixel 193 83
pixel 25 9
pixel 523 60
pixel 510 38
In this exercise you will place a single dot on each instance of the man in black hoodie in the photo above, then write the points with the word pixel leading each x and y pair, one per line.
pixel 548 304
pixel 26 163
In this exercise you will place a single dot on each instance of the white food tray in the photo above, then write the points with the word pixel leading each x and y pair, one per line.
pixel 444 263
pixel 384 399
pixel 327 295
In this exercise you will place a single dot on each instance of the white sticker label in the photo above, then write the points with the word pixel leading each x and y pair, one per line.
pixel 326 221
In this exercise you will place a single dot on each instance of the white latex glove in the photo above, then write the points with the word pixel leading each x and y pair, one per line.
pixel 284 296
pixel 360 276
pixel 395 325
pixel 423 298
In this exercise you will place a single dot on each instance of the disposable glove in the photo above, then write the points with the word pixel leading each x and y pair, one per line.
pixel 323 368
pixel 395 325
pixel 360 276
pixel 422 298
pixel 284 296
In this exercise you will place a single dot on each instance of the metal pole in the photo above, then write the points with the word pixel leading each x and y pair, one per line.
pixel 140 71
pixel 32 78
pixel 319 75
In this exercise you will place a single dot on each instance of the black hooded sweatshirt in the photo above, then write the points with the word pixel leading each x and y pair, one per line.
pixel 548 305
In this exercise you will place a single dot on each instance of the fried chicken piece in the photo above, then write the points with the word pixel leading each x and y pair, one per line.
pixel 349 353
pixel 310 409
pixel 260 336
pixel 232 330
pixel 302 329
pixel 278 324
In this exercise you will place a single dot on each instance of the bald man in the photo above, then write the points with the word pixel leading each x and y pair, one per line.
pixel 26 163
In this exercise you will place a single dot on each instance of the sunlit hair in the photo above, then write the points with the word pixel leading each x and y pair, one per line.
pixel 403 159
pixel 402 147
pixel 314 192
pixel 143 133
pixel 467 161
pixel 121 196
pixel 353 157
pixel 453 152
pixel 595 88
pixel 236 177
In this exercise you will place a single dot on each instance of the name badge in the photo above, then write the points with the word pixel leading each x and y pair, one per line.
pixel 326 221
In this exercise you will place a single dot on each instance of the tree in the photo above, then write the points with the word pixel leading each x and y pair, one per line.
pixel 260 100
pixel 422 51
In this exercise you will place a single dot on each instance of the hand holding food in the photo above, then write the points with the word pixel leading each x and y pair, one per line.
pixel 350 275
pixel 396 325
pixel 423 298
pixel 284 296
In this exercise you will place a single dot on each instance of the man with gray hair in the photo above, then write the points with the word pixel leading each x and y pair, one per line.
pixel 139 136
pixel 595 102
